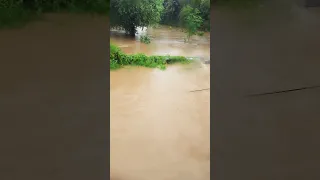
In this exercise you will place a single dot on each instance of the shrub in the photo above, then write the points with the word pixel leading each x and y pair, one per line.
pixel 145 39
pixel 191 20
pixel 119 59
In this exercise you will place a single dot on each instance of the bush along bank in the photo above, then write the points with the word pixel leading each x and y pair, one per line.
pixel 119 59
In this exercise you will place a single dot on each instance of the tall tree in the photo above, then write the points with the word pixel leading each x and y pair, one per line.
pixel 174 7
pixel 171 11
pixel 130 14
pixel 191 20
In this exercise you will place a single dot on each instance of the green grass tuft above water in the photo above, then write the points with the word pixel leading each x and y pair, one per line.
pixel 119 59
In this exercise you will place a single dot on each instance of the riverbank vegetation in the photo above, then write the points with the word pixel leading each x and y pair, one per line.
pixel 191 20
pixel 119 59
pixel 192 15
pixel 130 14
pixel 18 12
pixel 176 11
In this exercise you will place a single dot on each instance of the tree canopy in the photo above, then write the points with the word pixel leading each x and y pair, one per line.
pixel 191 20
pixel 130 14
pixel 173 9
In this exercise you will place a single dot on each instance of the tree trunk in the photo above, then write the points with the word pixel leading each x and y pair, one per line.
pixel 132 31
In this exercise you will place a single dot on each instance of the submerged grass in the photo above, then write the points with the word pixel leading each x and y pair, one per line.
pixel 119 59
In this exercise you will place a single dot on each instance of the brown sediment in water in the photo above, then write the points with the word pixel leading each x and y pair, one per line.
pixel 159 130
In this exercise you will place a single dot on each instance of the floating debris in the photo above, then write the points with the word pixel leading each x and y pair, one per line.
pixel 200 90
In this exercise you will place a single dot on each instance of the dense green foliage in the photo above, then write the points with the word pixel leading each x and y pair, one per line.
pixel 130 14
pixel 119 59
pixel 13 12
pixel 170 15
pixel 191 20
pixel 174 8
pixel 145 39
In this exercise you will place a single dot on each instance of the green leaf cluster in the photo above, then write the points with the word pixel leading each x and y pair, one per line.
pixel 191 20
pixel 119 59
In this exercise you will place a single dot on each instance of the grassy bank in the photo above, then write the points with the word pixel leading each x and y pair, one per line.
pixel 18 12
pixel 119 59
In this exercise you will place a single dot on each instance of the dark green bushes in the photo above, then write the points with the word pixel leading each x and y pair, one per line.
pixel 17 12
pixel 191 20
pixel 119 59
pixel 173 10
pixel 130 14
pixel 14 16
pixel 94 6
pixel 10 11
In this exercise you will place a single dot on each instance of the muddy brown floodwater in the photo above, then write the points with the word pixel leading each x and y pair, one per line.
pixel 164 41
pixel 159 129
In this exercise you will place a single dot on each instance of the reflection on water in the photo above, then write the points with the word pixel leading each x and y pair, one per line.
pixel 165 40
pixel 160 130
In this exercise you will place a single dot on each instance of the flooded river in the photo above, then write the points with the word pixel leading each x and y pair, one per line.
pixel 160 123
pixel 159 129
pixel 164 41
